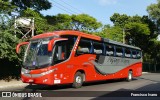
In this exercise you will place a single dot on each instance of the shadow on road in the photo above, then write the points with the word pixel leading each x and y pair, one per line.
pixel 125 94
pixel 67 86
pixel 121 94
pixel 149 79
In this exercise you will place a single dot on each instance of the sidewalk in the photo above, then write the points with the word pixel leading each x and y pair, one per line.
pixel 11 84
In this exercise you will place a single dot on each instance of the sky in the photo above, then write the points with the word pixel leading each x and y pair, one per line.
pixel 102 10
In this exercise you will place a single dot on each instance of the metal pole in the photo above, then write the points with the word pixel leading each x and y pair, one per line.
pixel 32 27
pixel 155 65
pixel 123 36
pixel 15 26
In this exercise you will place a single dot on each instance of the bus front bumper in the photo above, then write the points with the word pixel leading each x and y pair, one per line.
pixel 30 78
pixel 48 79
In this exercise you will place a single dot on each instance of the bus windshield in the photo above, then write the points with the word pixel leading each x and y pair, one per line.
pixel 37 55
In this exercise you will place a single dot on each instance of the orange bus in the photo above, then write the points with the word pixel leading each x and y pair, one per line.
pixel 63 57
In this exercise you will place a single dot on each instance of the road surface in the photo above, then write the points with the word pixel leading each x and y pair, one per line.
pixel 148 84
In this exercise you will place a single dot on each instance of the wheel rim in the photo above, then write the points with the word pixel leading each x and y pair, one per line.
pixel 78 79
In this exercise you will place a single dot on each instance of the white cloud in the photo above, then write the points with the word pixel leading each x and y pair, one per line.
pixel 107 2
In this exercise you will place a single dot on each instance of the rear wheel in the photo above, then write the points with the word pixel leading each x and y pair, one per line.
pixel 78 80
pixel 130 76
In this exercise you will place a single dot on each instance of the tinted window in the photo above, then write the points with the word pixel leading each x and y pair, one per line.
pixel 134 54
pixel 109 50
pixel 119 51
pixel 127 53
pixel 84 47
pixel 138 54
pixel 98 48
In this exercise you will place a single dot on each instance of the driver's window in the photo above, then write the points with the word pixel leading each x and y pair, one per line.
pixel 62 49
pixel 59 52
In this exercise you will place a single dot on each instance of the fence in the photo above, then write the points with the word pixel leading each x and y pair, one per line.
pixel 151 67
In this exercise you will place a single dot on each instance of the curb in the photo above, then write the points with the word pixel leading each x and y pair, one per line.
pixel 145 72
pixel 15 85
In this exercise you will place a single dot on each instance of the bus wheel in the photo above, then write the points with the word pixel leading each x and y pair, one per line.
pixel 130 76
pixel 78 80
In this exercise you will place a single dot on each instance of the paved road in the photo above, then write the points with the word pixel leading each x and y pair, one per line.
pixel 149 82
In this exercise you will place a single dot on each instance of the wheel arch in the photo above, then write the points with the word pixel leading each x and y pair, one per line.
pixel 131 70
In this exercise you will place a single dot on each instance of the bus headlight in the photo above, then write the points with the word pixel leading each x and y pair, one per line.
pixel 25 71
pixel 48 72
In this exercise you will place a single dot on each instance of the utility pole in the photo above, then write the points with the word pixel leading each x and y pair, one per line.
pixel 123 36
pixel 32 28
pixel 15 25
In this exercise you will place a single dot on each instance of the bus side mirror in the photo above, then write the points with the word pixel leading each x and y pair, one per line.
pixel 19 45
pixel 53 41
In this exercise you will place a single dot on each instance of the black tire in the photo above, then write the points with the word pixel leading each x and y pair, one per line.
pixel 130 76
pixel 78 80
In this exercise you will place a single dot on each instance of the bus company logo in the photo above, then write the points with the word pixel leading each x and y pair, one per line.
pixel 6 94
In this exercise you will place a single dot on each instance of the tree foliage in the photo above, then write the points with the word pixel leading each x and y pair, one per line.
pixel 84 22
pixel 137 34
pixel 139 31
pixel 154 12
pixel 81 22
pixel 119 20
pixel 9 60
pixel 6 7
pixel 8 40
pixel 37 5
pixel 135 25
pixel 112 32
pixel 60 21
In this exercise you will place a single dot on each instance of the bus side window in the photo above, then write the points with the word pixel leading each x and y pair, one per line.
pixel 138 54
pixel 127 53
pixel 98 48
pixel 119 51
pixel 134 54
pixel 84 47
pixel 109 50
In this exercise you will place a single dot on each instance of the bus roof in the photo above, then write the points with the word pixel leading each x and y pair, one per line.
pixel 119 43
pixel 78 33
pixel 66 32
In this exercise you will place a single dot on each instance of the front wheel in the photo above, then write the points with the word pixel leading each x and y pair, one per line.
pixel 78 80
pixel 130 76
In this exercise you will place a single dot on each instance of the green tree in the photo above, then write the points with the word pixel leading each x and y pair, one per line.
pixel 84 22
pixel 119 20
pixel 9 60
pixel 6 7
pixel 140 25
pixel 81 22
pixel 137 34
pixel 139 31
pixel 154 12
pixel 60 21
pixel 37 5
pixel 112 32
